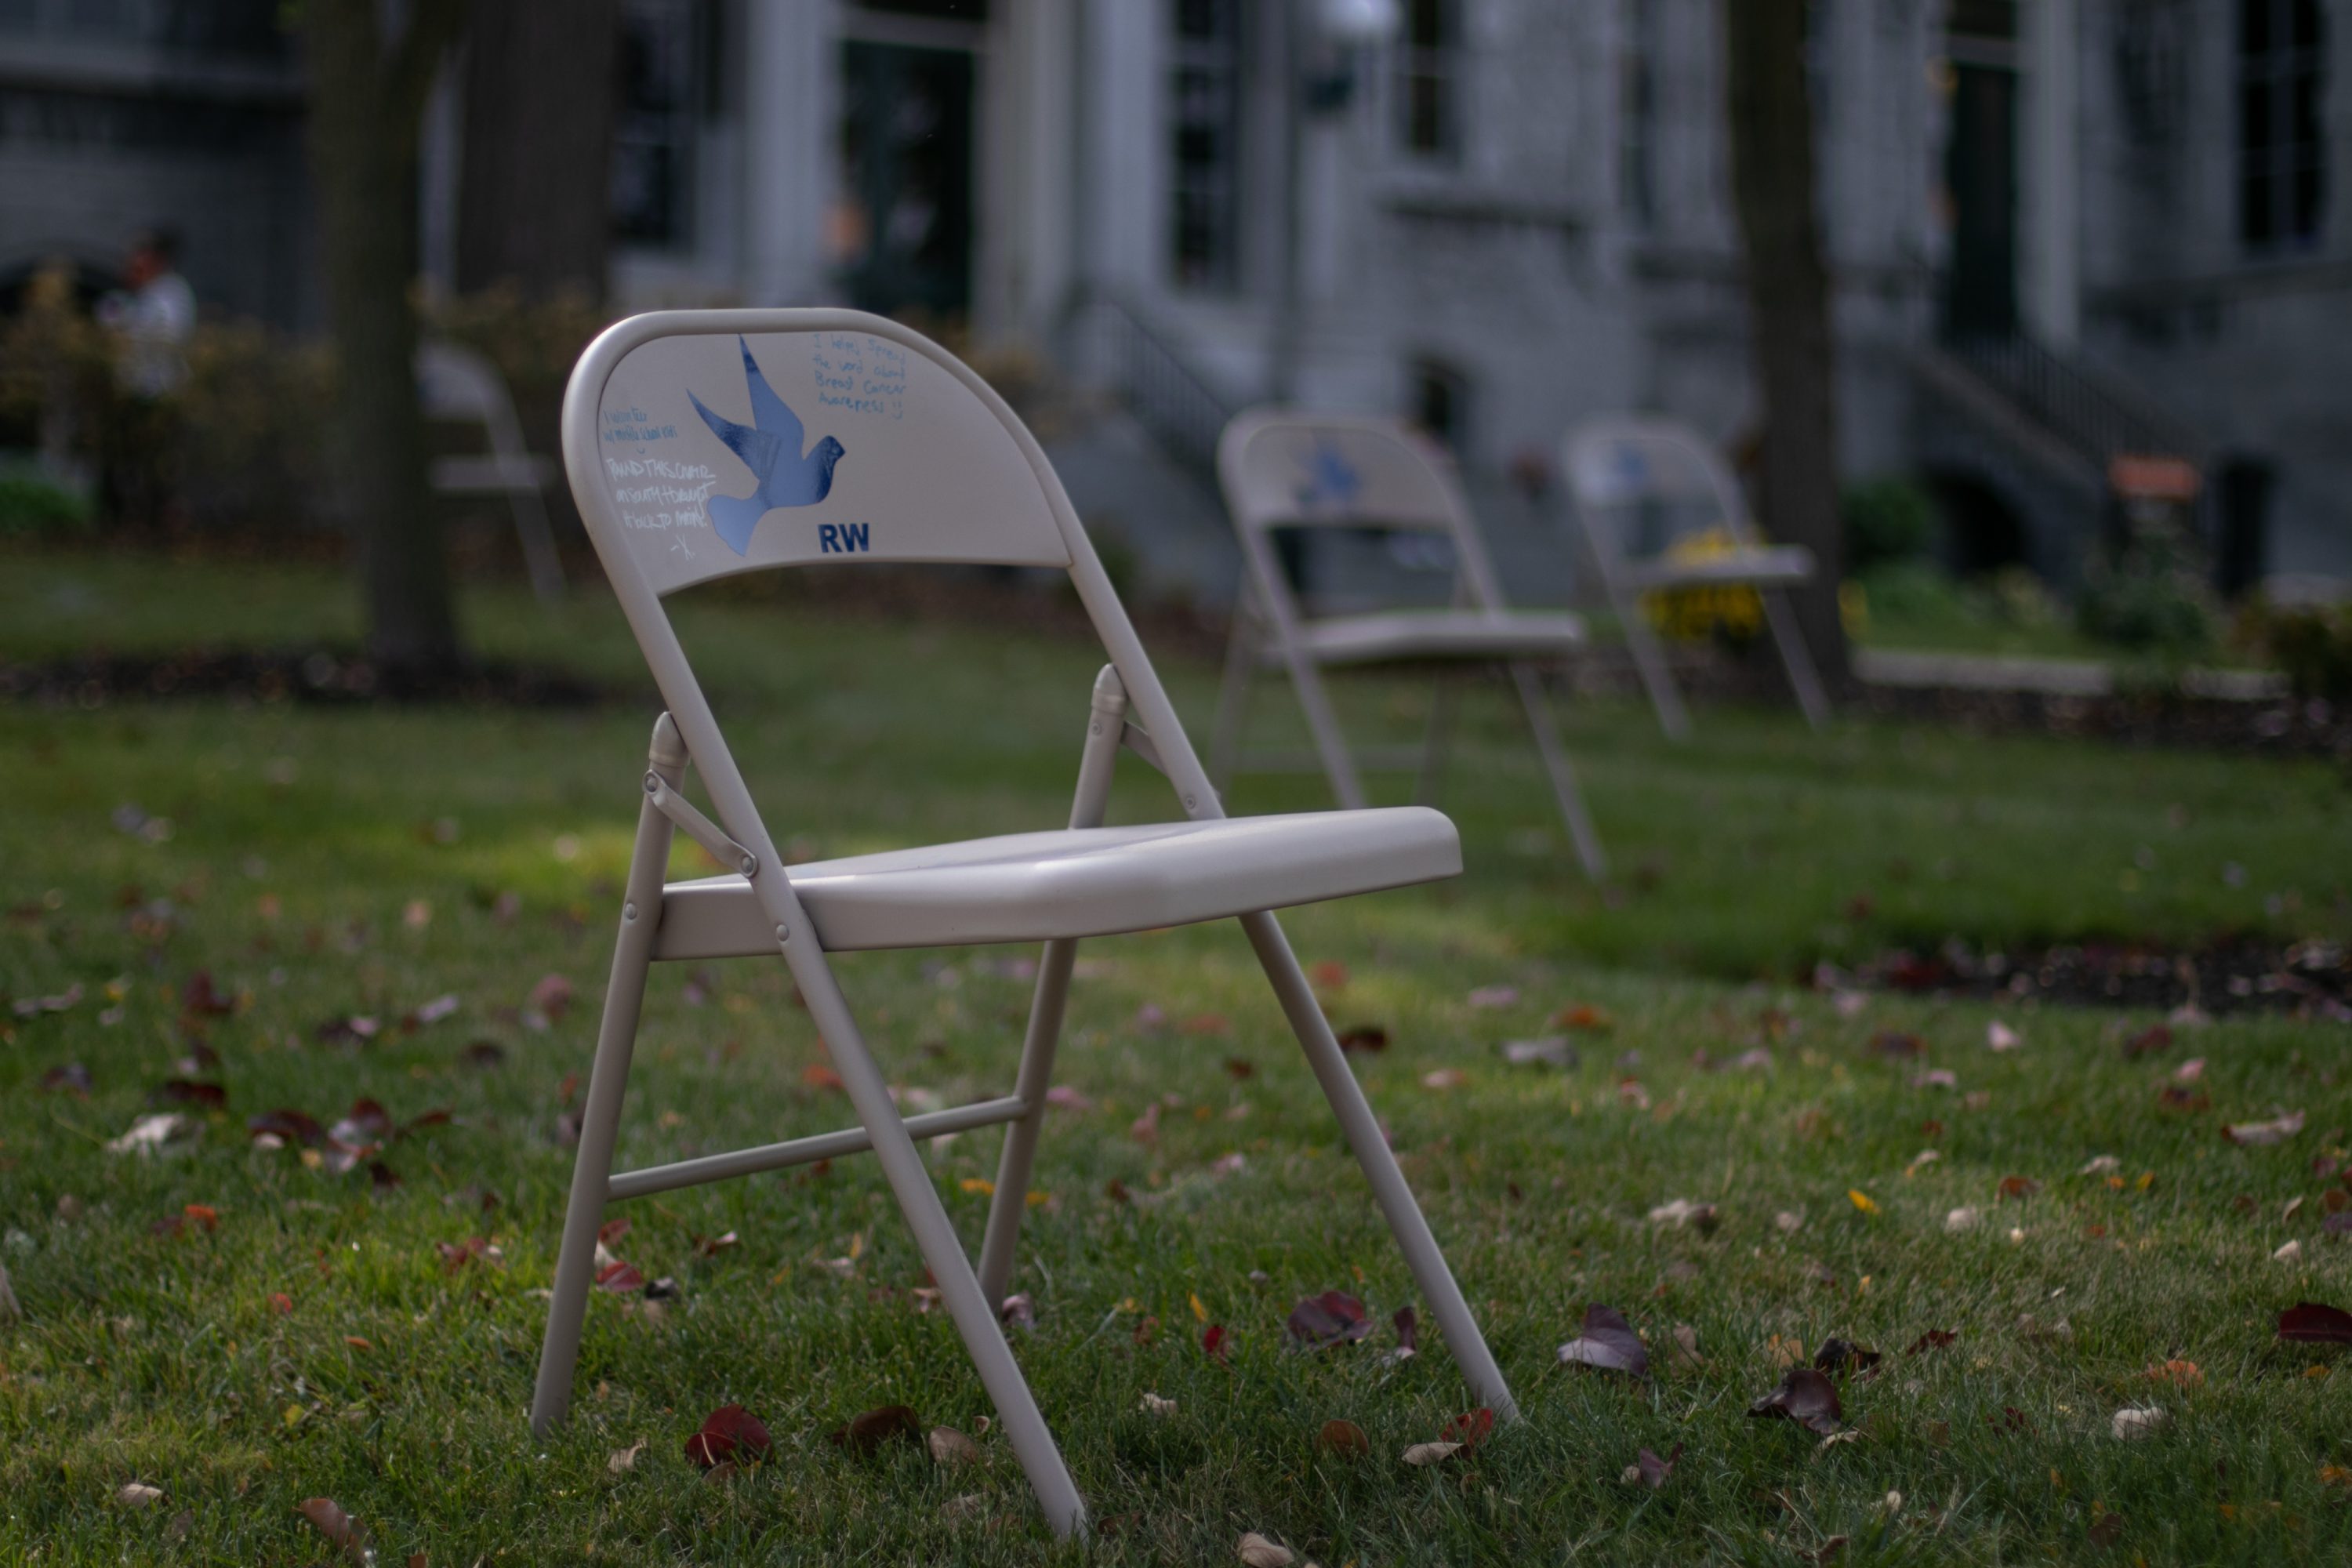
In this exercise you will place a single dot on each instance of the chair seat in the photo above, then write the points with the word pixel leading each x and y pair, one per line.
pixel 1086 881
pixel 1760 566
pixel 1440 634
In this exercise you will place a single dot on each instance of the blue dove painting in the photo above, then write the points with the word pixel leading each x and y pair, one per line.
pixel 769 447
pixel 1331 480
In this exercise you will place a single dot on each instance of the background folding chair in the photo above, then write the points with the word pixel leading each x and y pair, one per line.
pixel 1641 484
pixel 462 387
pixel 904 455
pixel 1283 470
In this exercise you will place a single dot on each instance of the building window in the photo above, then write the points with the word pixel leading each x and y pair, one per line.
pixel 1429 80
pixel 1637 115
pixel 1440 404
pixel 653 125
pixel 1205 110
pixel 2282 157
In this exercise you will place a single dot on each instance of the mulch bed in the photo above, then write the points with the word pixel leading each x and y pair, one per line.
pixel 2306 980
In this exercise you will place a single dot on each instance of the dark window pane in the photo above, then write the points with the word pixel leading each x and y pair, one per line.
pixel 2305 24
pixel 2310 197
pixel 2254 26
pixel 2254 126
pixel 2254 209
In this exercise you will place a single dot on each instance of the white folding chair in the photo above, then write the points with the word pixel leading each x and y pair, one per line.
pixel 1641 484
pixel 1281 469
pixel 906 455
pixel 459 386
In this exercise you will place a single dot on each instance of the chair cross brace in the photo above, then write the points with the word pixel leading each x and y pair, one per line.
pixel 699 827
pixel 806 1150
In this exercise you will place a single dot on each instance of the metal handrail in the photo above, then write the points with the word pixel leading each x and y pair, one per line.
pixel 1169 398
pixel 2093 419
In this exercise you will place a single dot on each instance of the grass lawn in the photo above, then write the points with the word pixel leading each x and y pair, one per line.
pixel 309 1340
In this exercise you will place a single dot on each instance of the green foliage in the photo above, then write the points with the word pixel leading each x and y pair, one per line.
pixel 2150 594
pixel 34 505
pixel 2312 644
pixel 1887 521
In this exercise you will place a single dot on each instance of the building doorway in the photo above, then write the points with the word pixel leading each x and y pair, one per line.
pixel 903 234
pixel 1980 169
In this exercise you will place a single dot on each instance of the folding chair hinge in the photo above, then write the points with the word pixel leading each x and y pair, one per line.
pixel 1135 739
pixel 699 827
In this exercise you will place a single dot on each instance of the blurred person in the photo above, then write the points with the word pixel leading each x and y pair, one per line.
pixel 151 317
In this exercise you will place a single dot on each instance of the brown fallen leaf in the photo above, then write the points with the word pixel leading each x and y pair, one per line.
pixel 2106 1532
pixel 138 1494
pixel 1343 1438
pixel 1257 1552
pixel 337 1526
pixel 949 1446
pixel 1656 1472
pixel 865 1432
pixel 2017 1189
pixel 1408 1331
pixel 1426 1454
pixel 1806 1397
pixel 1609 1342
pixel 625 1459
pixel 1333 1318
pixel 2155 1037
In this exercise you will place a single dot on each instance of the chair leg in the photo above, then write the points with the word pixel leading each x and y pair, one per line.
pixel 1803 678
pixel 1233 698
pixel 1012 1167
pixel 1650 660
pixel 974 1315
pixel 1389 1189
pixel 591 1166
pixel 1554 753
pixel 1436 742
pixel 539 560
pixel 1323 723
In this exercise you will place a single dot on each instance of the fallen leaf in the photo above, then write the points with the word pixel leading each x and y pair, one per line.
pixel 2100 1166
pixel 1018 1311
pixel 1367 1037
pixel 2000 1037
pixel 727 1433
pixel 1961 1219
pixel 1583 1016
pixel 1682 1212
pixel 1804 1397
pixel 2292 1252
pixel 1408 1329
pixel 2184 1372
pixel 2255 1134
pixel 2189 1071
pixel 865 1432
pixel 712 1246
pixel 1215 1340
pixel 2155 1037
pixel 150 1133
pixel 1893 1044
pixel 619 1278
pixel 1152 1405
pixel 2139 1421
pixel 1837 1355
pixel 1552 1050
pixel 70 1077
pixel 1257 1552
pixel 1861 1200
pixel 949 1446
pixel 1490 997
pixel 2107 1532
pixel 2017 1189
pixel 336 1525
pixel 1344 1439
pixel 552 995
pixel 1470 1429
pixel 1827 1551
pixel 1655 1471
pixel 1445 1078
pixel 1431 1453
pixel 1609 1342
pixel 2313 1323
pixel 1333 1318
pixel 138 1494
pixel 625 1459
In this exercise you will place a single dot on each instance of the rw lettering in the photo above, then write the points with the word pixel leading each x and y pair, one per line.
pixel 841 538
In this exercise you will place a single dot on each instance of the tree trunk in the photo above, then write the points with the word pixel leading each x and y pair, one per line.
pixel 367 97
pixel 1772 176
pixel 534 192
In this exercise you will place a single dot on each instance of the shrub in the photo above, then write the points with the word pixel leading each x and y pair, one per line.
pixel 33 504
pixel 2311 645
pixel 1886 520
pixel 2147 594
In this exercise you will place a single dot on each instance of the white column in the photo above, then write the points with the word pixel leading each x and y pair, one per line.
pixel 2050 173
pixel 791 64
pixel 1027 183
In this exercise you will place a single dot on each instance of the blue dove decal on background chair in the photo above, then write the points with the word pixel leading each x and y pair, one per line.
pixel 771 448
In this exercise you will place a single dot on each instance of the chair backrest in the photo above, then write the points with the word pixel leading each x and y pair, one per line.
pixel 1641 483
pixel 701 444
pixel 1279 468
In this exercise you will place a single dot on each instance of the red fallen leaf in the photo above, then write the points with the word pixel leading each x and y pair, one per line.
pixel 2178 1097
pixel 1829 1551
pixel 2010 1419
pixel 1408 1328
pixel 2310 1323
pixel 1934 1338
pixel 293 1126
pixel 1656 1472
pixel 1469 1429
pixel 439 1116
pixel 1838 1355
pixel 2155 1037
pixel 199 1000
pixel 2017 1189
pixel 187 1091
pixel 1329 975
pixel 70 1077
pixel 1344 1439
pixel 380 1176
pixel 1333 1318
pixel 1205 1024
pixel 865 1434
pixel 712 1246
pixel 552 995
pixel 728 1434
pixel 2338 1223
pixel 612 1230
pixel 1583 1016
pixel 1609 1342
pixel 201 1057
pixel 483 1055
pixel 281 1303
pixel 621 1278
pixel 337 1526
pixel 1894 1043
pixel 1116 1191
pixel 1366 1038
pixel 456 1255
pixel 2106 1532
pixel 365 1122
pixel 1806 1397
pixel 1239 1068
pixel 1216 1342
pixel 817 1075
